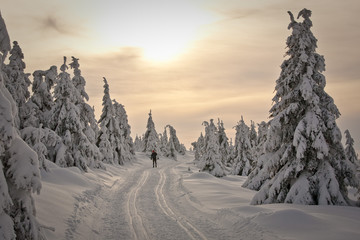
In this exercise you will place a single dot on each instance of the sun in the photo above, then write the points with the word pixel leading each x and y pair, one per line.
pixel 162 29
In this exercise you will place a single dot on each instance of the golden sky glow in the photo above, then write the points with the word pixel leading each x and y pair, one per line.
pixel 189 60
pixel 161 29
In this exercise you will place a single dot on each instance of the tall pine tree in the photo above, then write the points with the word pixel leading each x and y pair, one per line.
pixel 65 121
pixel 17 81
pixel 223 142
pixel 349 149
pixel 88 147
pixel 210 161
pixel 306 161
pixel 199 147
pixel 243 160
pixel 109 129
pixel 151 138
pixel 19 169
pixel 124 138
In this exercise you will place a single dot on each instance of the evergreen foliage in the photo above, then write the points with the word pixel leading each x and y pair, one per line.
pixel 38 107
pixel 210 160
pixel 65 121
pixel 306 161
pixel 223 142
pixel 109 129
pixel 19 166
pixel 138 144
pixel 124 139
pixel 199 147
pixel 17 81
pixel 349 149
pixel 114 140
pixel 243 159
pixel 151 138
pixel 89 127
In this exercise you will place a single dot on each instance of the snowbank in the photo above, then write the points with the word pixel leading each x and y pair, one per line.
pixel 289 221
pixel 70 198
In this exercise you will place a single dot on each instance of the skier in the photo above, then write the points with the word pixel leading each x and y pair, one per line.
pixel 154 157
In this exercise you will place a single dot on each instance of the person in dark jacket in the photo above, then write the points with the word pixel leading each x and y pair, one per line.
pixel 154 157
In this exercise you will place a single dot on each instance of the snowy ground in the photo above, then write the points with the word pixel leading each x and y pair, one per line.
pixel 175 201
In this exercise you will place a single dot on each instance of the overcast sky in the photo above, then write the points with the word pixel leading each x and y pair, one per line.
pixel 190 60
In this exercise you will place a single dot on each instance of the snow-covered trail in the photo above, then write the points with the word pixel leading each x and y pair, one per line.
pixel 149 203
pixel 175 201
pixel 152 203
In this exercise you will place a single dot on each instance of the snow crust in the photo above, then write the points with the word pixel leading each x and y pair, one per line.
pixel 175 201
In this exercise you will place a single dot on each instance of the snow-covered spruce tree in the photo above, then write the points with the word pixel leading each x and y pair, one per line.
pixel 253 135
pixel 259 159
pixel 306 161
pixel 170 150
pixel 126 141
pixel 258 149
pixel 210 161
pixel 88 147
pixel 109 129
pixel 231 154
pixel 223 142
pixel 243 159
pixel 199 147
pixel 36 112
pixel 17 81
pixel 151 138
pixel 262 133
pixel 180 148
pixel 350 152
pixel 351 155
pixel 41 101
pixel 163 142
pixel 138 144
pixel 19 169
pixel 65 121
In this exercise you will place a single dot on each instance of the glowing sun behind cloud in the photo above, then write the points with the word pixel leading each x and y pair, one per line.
pixel 161 29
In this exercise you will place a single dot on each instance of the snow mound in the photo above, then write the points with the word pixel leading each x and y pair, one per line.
pixel 200 175
pixel 292 220
pixel 71 176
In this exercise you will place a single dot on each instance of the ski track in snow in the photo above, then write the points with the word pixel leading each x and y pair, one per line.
pixel 152 203
pixel 135 220
pixel 183 223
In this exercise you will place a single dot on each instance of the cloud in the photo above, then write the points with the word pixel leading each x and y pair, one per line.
pixel 52 23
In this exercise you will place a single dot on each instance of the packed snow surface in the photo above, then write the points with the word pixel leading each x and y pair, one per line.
pixel 175 201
